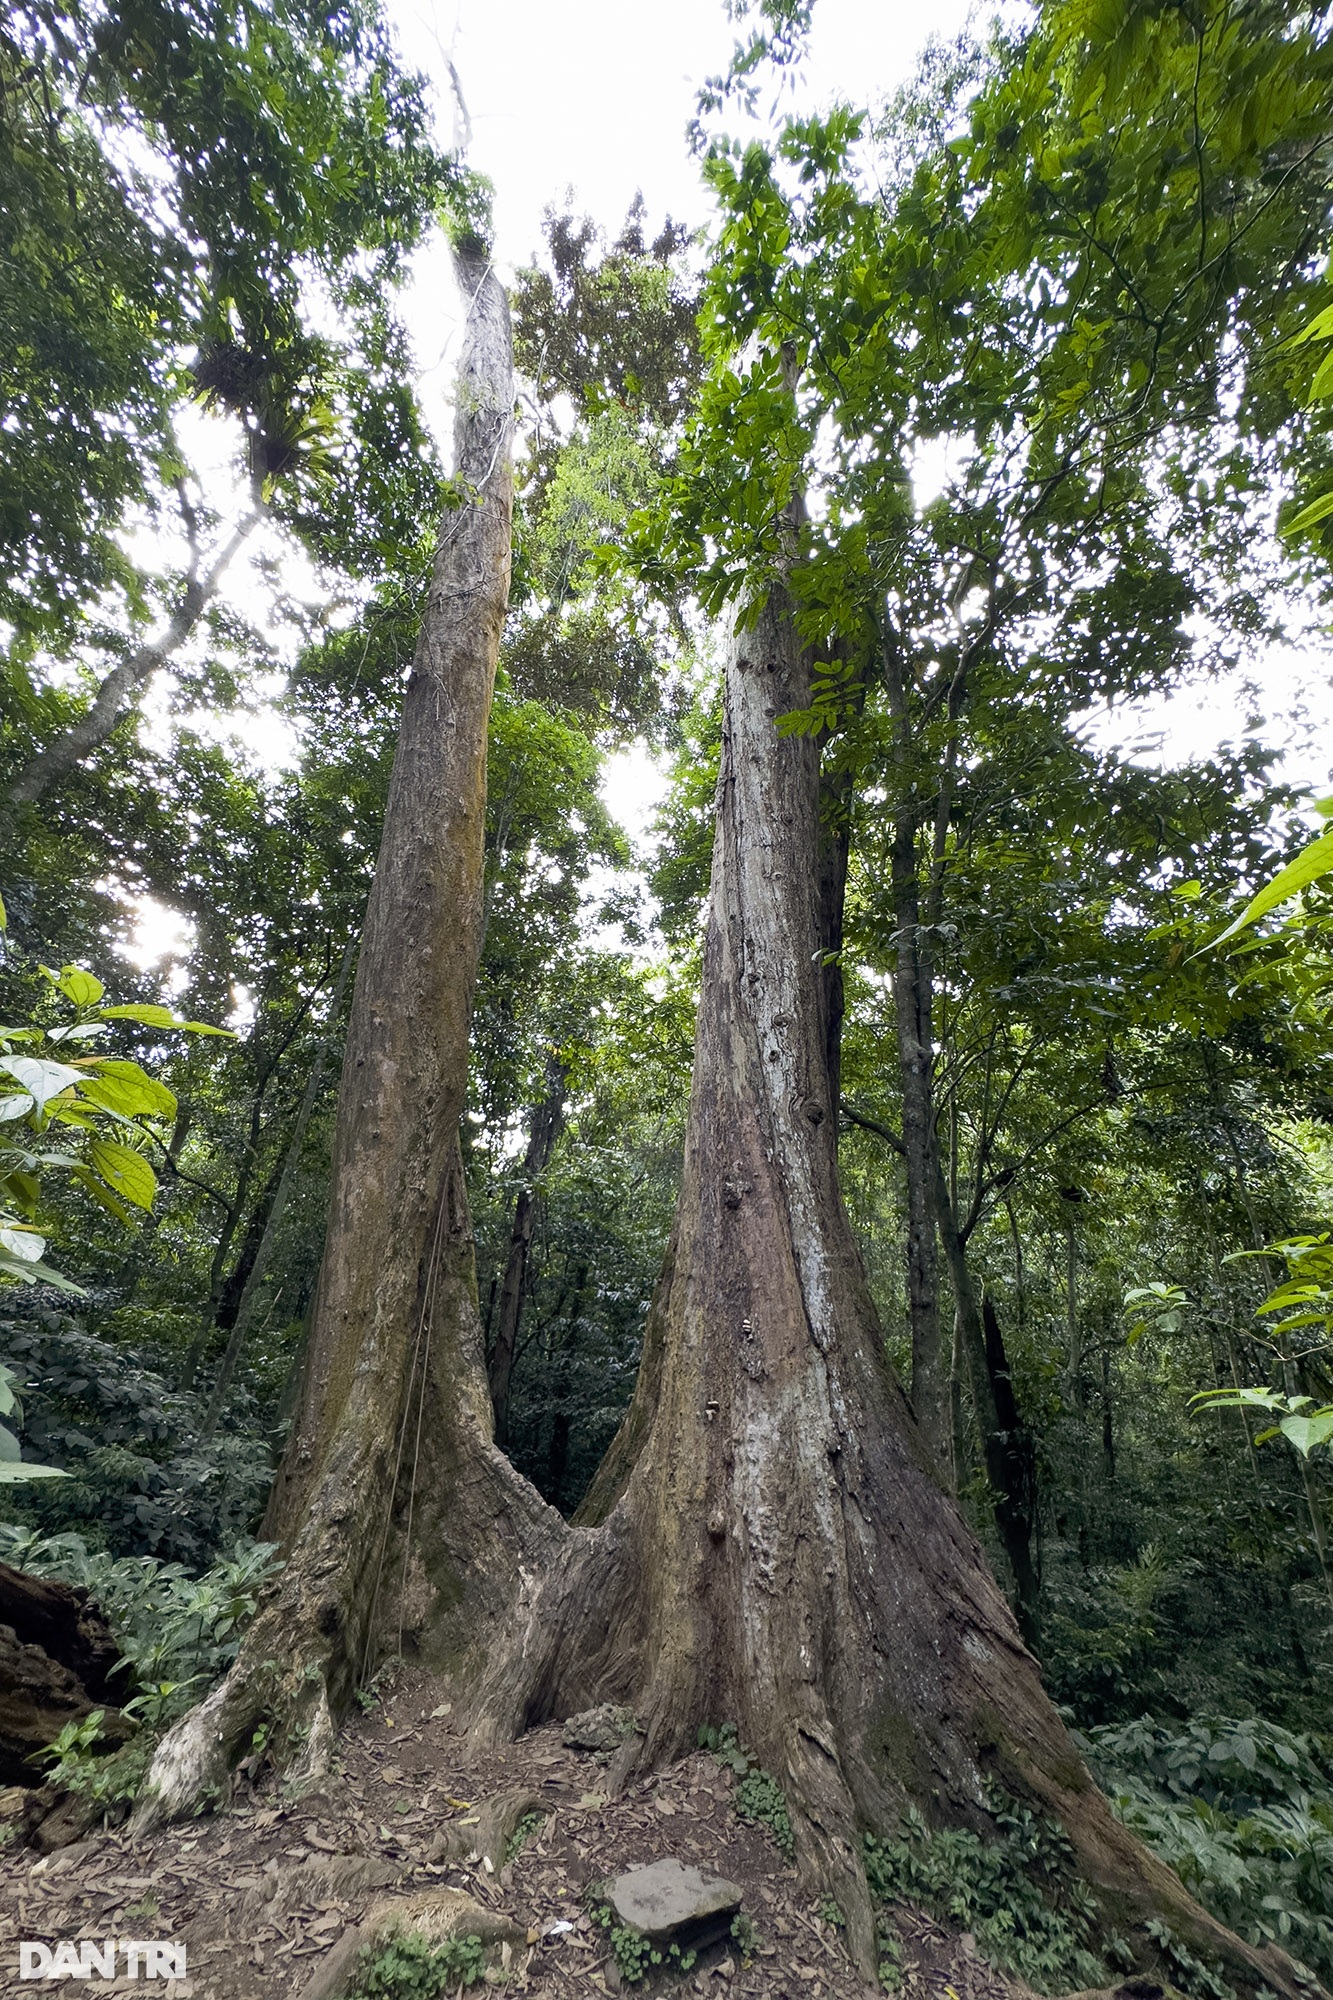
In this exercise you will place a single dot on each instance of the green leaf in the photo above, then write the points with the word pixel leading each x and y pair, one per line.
pixel 1318 510
pixel 1319 328
pixel 79 986
pixel 102 1195
pixel 1307 1432
pixel 126 1172
pixel 41 1080
pixel 25 1244
pixel 151 1016
pixel 1312 863
pixel 122 1086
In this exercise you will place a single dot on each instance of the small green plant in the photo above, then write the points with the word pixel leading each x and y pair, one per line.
pixel 890 1959
pixel 745 1934
pixel 758 1797
pixel 1188 1973
pixel 830 1914
pixel 1018 1892
pixel 629 1947
pixel 635 1957
pixel 110 1780
pixel 408 1966
pixel 530 1823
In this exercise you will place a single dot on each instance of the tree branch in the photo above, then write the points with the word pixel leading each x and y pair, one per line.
pixel 115 693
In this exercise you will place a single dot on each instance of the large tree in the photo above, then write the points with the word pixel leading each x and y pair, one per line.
pixel 767 1540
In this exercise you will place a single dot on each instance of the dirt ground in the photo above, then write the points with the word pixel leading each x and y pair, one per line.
pixel 259 1898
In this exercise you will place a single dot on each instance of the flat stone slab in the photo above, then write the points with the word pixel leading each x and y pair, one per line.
pixel 602 1728
pixel 673 1903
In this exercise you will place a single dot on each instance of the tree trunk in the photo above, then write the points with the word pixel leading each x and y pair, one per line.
pixel 547 1122
pixel 392 1424
pixel 767 1542
pixel 254 1263
pixel 1006 1444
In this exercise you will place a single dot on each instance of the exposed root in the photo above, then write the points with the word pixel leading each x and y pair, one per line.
pixel 289 1712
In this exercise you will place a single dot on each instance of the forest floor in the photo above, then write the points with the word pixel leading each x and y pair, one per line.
pixel 259 1897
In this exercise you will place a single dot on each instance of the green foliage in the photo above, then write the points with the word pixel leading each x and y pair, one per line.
pixel 64 1099
pixel 1188 1973
pixel 142 1481
pixel 177 1632
pixel 1243 1811
pixel 635 1956
pixel 890 1968
pixel 177 1635
pixel 1016 1891
pixel 530 1824
pixel 408 1967
pixel 108 1780
pixel 757 1797
pixel 175 186
pixel 745 1934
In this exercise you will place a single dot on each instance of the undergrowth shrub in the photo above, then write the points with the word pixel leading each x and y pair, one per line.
pixel 758 1798
pixel 1018 1892
pixel 1243 1811
pixel 143 1480
pixel 177 1632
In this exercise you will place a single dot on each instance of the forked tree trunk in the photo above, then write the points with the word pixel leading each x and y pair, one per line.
pixel 765 1543
pixel 395 1313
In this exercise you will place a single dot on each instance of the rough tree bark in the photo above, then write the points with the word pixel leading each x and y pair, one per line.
pixel 392 1426
pixel 766 1542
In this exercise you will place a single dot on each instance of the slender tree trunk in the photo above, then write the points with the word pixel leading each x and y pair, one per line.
pixel 912 1010
pixel 1073 1325
pixel 257 1263
pixel 392 1426
pixel 912 999
pixel 1007 1447
pixel 544 1131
